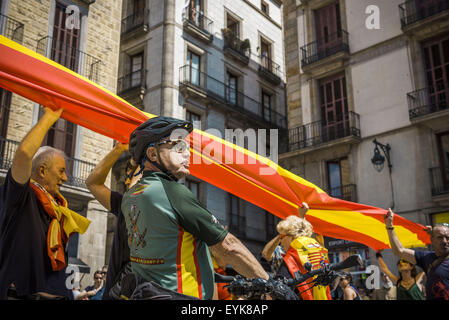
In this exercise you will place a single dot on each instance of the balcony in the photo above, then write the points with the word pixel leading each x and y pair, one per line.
pixel 132 84
pixel 429 105
pixel 333 49
pixel 70 57
pixel 236 49
pixel 198 25
pixel 11 28
pixel 201 85
pixel 347 192
pixel 413 12
pixel 135 25
pixel 439 179
pixel 77 170
pixel 269 70
pixel 317 133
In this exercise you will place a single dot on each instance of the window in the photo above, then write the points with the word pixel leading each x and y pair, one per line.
pixel 328 26
pixel 271 222
pixel 264 7
pixel 194 118
pixel 233 25
pixel 136 70
pixel 194 187
pixel 334 178
pixel 5 105
pixel 443 153
pixel 266 105
pixel 196 12
pixel 65 42
pixel 193 68
pixel 64 50
pixel 436 66
pixel 237 221
pixel 231 89
pixel 334 108
pixel 265 54
pixel 338 179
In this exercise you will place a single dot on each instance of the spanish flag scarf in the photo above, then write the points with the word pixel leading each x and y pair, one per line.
pixel 64 222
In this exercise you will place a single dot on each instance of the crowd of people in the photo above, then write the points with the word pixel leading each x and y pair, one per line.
pixel 166 243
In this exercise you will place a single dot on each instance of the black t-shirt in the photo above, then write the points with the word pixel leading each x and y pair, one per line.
pixel 120 249
pixel 437 284
pixel 24 259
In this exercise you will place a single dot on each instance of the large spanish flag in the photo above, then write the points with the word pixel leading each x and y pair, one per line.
pixel 214 160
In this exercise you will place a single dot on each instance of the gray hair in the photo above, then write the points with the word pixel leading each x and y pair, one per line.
pixel 44 156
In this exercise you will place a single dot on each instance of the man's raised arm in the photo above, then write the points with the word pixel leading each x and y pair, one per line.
pixel 96 179
pixel 395 243
pixel 21 164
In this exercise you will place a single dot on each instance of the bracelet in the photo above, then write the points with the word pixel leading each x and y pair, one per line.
pixel 390 228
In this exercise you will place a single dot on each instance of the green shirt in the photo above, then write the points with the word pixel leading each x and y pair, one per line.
pixel 169 232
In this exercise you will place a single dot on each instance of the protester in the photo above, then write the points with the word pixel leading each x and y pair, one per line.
pixel 34 213
pixel 387 291
pixel 434 263
pixel 296 239
pixel 95 291
pixel 349 291
pixel 409 283
pixel 273 252
pixel 112 201
pixel 169 232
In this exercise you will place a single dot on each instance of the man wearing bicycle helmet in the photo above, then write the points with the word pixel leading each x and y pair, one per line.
pixel 169 231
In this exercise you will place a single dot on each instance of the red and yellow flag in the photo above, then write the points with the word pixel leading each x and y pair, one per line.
pixel 255 179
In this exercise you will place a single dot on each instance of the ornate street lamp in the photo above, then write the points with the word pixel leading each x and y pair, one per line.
pixel 378 160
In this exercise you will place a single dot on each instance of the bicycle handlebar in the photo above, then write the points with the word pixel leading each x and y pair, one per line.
pixel 282 288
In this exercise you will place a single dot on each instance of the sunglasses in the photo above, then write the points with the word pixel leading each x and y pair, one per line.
pixel 179 146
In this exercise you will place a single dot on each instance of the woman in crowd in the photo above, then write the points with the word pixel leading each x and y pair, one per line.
pixel 409 283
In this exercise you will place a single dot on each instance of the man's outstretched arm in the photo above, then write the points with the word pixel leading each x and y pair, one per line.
pixel 96 179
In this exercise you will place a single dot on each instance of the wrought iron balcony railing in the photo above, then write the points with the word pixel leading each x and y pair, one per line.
pixel 70 57
pixel 428 100
pixel 270 70
pixel 232 42
pixel 318 132
pixel 347 192
pixel 133 80
pixel 77 170
pixel 413 11
pixel 199 20
pixel 135 21
pixel 230 96
pixel 325 47
pixel 11 28
pixel 439 178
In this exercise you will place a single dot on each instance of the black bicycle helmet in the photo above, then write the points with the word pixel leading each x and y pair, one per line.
pixel 152 131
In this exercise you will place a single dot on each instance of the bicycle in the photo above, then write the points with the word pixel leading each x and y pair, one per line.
pixel 282 288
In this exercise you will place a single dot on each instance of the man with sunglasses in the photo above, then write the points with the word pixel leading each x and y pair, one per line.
pixel 434 263
pixel 170 232
pixel 95 291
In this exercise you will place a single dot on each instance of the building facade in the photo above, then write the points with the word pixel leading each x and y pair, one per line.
pixel 219 64
pixel 370 73
pixel 66 31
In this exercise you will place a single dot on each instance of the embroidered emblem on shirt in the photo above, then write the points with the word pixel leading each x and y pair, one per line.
pixel 139 189
pixel 135 235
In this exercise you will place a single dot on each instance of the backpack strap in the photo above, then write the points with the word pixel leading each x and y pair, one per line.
pixel 436 263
